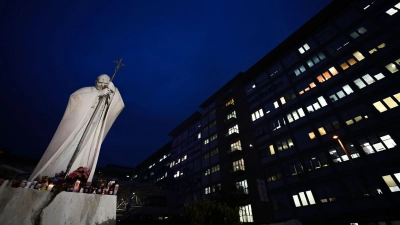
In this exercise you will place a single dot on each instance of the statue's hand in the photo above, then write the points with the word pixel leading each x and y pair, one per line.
pixel 104 92
pixel 111 87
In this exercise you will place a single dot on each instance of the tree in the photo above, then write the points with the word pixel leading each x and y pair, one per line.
pixel 210 212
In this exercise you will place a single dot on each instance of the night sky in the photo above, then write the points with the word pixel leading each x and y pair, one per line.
pixel 177 53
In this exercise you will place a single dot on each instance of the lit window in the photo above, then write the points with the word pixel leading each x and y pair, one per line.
pixel 397 96
pixel 358 56
pixel 390 102
pixel 207 190
pixel 206 141
pixel 391 11
pixel 276 105
pixel 230 102
pixel 321 131
pixel 379 106
pixel 245 214
pixel 379 76
pixel 236 146
pixel 392 67
pixel 232 130
pixel 238 165
pixel 311 135
pixel 352 61
pixel 198 135
pixel 391 183
pixel 344 66
pixel 388 141
pixel 257 115
pixel 309 200
pixel 304 48
pixel 242 187
pixel 333 71
pixel 272 150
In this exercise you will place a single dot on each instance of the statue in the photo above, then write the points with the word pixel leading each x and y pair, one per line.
pixel 90 113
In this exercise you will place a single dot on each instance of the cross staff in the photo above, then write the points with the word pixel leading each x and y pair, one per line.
pixel 119 64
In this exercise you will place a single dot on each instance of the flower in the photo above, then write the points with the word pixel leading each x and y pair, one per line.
pixel 81 173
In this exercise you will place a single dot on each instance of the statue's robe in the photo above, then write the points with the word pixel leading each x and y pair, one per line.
pixel 81 123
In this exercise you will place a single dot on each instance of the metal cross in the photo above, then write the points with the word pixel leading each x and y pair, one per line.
pixel 119 64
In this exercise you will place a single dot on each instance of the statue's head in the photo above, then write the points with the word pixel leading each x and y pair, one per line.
pixel 102 81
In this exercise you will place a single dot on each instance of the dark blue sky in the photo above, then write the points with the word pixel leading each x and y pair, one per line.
pixel 177 54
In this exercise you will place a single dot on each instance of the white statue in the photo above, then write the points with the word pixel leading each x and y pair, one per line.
pixel 89 115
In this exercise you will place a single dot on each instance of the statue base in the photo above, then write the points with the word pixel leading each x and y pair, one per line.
pixel 27 206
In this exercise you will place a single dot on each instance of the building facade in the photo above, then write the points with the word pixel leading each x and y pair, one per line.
pixel 310 132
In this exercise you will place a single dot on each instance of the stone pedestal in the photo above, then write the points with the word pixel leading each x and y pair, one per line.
pixel 26 206
pixel 70 208
pixel 22 206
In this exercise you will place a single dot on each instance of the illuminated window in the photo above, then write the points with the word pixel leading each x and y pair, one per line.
pixel 321 131
pixel 236 146
pixel 230 102
pixel 295 115
pixel 207 172
pixel 272 150
pixel 373 144
pixel 340 92
pixel 358 56
pixel 207 190
pixel 238 165
pixel 389 103
pixel 277 124
pixel 304 48
pixel 391 183
pixel 327 74
pixel 231 115
pixel 257 115
pixel 392 66
pixel 212 138
pixel 214 168
pixel 316 162
pixel 379 106
pixel 376 49
pixel 391 11
pixel 276 105
pixel 284 144
pixel 245 214
pixel 242 187
pixel 303 200
pixel 317 105
pixel 311 135
pixel 206 141
pixel 232 130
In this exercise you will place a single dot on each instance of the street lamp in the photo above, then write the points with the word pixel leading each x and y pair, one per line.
pixel 344 149
pixel 363 180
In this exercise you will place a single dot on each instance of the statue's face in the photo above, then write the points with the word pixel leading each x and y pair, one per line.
pixel 102 82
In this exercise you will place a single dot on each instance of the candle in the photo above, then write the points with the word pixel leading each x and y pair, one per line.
pixel 28 184
pixel 116 189
pixel 76 187
pixel 50 187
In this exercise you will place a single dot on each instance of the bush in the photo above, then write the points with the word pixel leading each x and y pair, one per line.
pixel 210 212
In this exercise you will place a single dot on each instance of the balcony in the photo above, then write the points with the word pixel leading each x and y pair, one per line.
pixel 229 107
pixel 230 120
pixel 237 170
pixel 232 135
pixel 234 151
